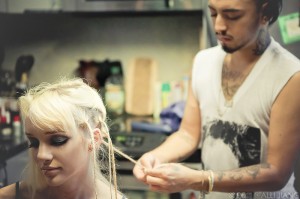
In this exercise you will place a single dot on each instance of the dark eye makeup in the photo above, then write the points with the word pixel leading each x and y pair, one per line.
pixel 54 140
pixel 58 140
pixel 33 143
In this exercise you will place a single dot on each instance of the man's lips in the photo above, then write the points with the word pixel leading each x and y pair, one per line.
pixel 223 38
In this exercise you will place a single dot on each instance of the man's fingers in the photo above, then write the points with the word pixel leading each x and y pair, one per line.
pixel 155 181
pixel 157 189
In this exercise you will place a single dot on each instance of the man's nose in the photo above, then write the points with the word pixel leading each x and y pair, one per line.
pixel 220 24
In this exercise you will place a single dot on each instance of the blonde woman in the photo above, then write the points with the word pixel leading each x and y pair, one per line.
pixel 69 145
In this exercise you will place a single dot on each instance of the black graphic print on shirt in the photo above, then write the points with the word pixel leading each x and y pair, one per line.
pixel 243 141
pixel 238 145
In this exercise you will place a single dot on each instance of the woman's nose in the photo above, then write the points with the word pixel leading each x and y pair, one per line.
pixel 44 153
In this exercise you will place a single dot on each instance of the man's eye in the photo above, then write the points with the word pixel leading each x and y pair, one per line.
pixel 58 140
pixel 233 17
pixel 33 143
pixel 213 14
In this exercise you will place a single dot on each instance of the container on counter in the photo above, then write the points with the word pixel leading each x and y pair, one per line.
pixel 114 93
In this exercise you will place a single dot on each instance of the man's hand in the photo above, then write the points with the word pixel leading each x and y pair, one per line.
pixel 172 177
pixel 147 161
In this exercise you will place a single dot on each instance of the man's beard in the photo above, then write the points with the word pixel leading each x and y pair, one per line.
pixel 231 50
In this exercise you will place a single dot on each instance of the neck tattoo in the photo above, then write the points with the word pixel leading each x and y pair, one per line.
pixel 262 42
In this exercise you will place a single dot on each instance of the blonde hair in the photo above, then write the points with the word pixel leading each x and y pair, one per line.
pixel 69 105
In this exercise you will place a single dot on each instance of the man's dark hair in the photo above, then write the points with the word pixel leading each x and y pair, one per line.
pixel 271 10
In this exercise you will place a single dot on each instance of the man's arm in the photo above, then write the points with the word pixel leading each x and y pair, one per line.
pixel 283 150
pixel 185 141
pixel 179 145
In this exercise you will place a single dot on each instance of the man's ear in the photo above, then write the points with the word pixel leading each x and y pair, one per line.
pixel 265 14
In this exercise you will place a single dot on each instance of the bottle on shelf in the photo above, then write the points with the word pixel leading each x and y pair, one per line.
pixel 165 94
pixel 114 93
pixel 5 129
pixel 17 129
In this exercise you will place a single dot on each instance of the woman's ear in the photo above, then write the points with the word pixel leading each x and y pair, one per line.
pixel 97 139
pixel 97 136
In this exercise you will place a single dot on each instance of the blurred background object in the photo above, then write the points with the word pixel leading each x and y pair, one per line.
pixel 22 70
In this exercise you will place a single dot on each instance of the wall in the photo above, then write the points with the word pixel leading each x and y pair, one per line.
pixel 58 41
pixel 289 6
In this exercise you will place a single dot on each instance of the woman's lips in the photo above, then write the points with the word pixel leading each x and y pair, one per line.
pixel 50 171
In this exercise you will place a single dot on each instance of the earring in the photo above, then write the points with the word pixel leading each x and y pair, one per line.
pixel 90 148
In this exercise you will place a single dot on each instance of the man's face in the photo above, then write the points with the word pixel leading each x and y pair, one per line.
pixel 236 23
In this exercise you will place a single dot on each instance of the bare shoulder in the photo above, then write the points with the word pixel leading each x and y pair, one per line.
pixel 291 90
pixel 295 80
pixel 8 192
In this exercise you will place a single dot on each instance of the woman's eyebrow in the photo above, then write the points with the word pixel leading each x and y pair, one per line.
pixel 46 133
pixel 55 133
pixel 51 132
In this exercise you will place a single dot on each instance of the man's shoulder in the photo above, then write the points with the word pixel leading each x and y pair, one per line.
pixel 213 49
pixel 282 54
pixel 208 52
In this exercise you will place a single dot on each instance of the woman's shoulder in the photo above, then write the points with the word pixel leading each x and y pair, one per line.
pixel 10 191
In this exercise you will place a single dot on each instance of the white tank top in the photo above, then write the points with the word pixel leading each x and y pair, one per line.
pixel 234 134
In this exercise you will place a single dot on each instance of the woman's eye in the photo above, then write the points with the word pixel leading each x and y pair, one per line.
pixel 58 140
pixel 33 143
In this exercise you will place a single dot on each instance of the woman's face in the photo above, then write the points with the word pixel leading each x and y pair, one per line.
pixel 61 156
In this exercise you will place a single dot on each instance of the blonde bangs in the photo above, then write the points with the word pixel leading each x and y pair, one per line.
pixel 49 112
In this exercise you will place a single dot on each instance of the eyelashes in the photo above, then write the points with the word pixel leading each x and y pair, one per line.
pixel 53 141
pixel 33 143
pixel 59 140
